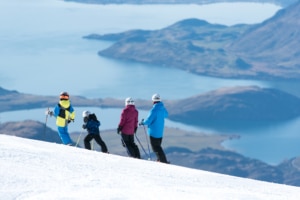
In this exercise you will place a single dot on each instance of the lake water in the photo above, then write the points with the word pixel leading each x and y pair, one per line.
pixel 42 52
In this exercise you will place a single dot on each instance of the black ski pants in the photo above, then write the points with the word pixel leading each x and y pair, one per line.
pixel 132 148
pixel 98 139
pixel 157 149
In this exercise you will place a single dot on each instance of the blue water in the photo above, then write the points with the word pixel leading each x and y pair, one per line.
pixel 43 40
pixel 42 52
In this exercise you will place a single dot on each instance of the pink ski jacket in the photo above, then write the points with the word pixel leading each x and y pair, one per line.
pixel 129 120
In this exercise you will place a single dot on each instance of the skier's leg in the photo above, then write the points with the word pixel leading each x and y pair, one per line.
pixel 64 135
pixel 135 149
pixel 101 143
pixel 126 139
pixel 157 149
pixel 87 141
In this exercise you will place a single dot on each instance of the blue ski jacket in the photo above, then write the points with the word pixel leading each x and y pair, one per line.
pixel 92 126
pixel 156 120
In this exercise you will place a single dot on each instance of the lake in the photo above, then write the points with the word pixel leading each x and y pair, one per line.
pixel 42 52
pixel 43 39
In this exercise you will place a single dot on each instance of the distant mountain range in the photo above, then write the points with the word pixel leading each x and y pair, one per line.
pixel 265 51
pixel 278 2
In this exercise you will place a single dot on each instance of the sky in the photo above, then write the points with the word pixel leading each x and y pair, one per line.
pixel 32 169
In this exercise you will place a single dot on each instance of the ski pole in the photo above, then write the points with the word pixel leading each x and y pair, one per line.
pixel 78 138
pixel 147 141
pixel 46 122
pixel 142 147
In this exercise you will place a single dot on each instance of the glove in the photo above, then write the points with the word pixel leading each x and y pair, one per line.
pixel 49 112
pixel 135 129
pixel 141 123
pixel 84 126
pixel 119 129
pixel 85 119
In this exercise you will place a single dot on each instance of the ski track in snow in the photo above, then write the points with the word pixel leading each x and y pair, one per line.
pixel 32 169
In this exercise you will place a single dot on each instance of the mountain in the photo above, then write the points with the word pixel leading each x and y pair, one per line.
pixel 291 168
pixel 192 45
pixel 30 129
pixel 274 44
pixel 266 51
pixel 249 103
pixel 33 169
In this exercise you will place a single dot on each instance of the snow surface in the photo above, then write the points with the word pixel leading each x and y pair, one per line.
pixel 32 169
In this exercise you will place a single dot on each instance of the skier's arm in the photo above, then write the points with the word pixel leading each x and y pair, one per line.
pixel 150 118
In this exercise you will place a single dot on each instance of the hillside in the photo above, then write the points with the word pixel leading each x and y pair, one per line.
pixel 39 170
pixel 193 45
pixel 273 44
pixel 31 130
pixel 236 104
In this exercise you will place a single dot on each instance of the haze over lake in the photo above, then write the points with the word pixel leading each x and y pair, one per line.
pixel 42 52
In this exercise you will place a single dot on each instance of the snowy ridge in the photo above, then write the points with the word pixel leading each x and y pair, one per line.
pixel 32 169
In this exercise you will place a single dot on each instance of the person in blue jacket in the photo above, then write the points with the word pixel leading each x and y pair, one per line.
pixel 64 114
pixel 156 122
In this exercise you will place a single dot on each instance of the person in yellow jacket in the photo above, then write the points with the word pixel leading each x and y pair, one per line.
pixel 64 114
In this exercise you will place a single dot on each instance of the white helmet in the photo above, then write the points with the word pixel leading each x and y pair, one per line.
pixel 129 101
pixel 86 113
pixel 156 97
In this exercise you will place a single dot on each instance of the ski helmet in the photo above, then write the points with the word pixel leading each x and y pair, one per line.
pixel 156 97
pixel 86 113
pixel 129 101
pixel 64 96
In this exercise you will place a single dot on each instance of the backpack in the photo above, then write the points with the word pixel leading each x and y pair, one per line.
pixel 93 124
pixel 93 117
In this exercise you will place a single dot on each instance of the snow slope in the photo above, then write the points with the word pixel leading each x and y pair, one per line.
pixel 32 169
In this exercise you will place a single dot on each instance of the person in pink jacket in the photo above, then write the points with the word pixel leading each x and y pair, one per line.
pixel 127 127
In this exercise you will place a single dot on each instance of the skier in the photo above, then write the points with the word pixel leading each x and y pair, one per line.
pixel 91 123
pixel 128 126
pixel 64 114
pixel 155 122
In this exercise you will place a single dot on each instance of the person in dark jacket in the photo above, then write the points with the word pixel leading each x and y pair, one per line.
pixel 156 122
pixel 128 126
pixel 91 123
